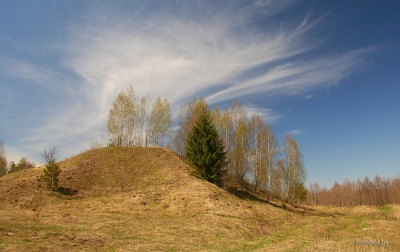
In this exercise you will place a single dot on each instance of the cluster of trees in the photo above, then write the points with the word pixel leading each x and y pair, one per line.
pixel 3 160
pixel 134 122
pixel 241 147
pixel 5 168
pixel 23 163
pixel 252 150
pixel 50 172
pixel 377 192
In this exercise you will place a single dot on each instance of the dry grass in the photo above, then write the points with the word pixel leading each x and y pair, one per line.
pixel 333 229
pixel 138 199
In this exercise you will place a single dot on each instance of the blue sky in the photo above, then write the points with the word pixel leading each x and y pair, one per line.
pixel 325 71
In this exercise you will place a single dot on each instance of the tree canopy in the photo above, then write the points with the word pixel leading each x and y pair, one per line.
pixel 23 163
pixel 134 122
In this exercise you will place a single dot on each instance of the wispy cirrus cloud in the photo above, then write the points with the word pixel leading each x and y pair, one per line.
pixel 293 78
pixel 296 132
pixel 180 53
pixel 267 114
pixel 178 57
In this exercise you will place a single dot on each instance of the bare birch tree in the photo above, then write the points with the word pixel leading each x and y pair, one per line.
pixel 314 189
pixel 279 179
pixel 160 122
pixel 367 186
pixel 218 120
pixel 130 114
pixel 255 132
pixel 227 136
pixel 239 163
pixel 188 116
pixel 143 113
pixel 120 121
pixel 270 150
pixel 295 173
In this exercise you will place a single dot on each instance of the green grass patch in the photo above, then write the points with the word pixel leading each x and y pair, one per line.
pixel 386 208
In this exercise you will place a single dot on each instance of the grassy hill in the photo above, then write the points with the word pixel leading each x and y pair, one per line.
pixel 145 199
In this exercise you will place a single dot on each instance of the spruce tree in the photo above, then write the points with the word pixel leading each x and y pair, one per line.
pixel 52 168
pixel 204 148
pixel 51 172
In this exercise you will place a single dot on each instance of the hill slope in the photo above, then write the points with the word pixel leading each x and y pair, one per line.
pixel 153 176
pixel 145 199
pixel 137 194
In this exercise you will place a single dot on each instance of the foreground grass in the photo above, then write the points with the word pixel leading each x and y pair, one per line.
pixel 92 225
pixel 85 226
pixel 334 229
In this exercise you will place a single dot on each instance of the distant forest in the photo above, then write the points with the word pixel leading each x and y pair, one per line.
pixel 377 192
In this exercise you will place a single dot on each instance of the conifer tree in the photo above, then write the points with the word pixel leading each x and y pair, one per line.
pixel 204 148
pixel 52 168
pixel 188 116
pixel 12 168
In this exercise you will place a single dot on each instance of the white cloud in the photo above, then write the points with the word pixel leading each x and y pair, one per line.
pixel 178 57
pixel 296 77
pixel 267 114
pixel 296 132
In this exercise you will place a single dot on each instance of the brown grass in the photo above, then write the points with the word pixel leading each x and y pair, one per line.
pixel 144 199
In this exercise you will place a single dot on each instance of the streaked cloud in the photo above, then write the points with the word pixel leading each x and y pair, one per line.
pixel 296 132
pixel 216 53
pixel 267 114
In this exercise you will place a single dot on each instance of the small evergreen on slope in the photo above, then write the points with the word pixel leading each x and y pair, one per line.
pixel 204 149
pixel 52 168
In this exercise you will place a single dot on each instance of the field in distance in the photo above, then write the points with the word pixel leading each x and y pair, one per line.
pixel 145 199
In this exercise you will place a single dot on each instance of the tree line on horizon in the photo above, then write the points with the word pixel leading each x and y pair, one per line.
pixel 377 192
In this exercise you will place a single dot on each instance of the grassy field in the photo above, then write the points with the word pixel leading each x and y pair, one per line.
pixel 138 199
